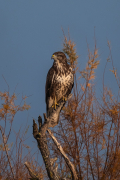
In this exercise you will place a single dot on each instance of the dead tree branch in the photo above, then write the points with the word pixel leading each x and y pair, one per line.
pixel 40 136
pixel 68 162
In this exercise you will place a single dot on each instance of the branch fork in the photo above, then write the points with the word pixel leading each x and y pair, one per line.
pixel 40 136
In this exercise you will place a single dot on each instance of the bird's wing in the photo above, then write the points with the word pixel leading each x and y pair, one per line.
pixel 71 84
pixel 69 88
pixel 48 87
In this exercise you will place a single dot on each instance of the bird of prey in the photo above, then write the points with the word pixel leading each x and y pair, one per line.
pixel 59 81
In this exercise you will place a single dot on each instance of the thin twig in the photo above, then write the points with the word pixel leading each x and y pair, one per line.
pixel 32 174
pixel 3 137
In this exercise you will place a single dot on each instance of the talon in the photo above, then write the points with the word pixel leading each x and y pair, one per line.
pixel 64 98
pixel 55 104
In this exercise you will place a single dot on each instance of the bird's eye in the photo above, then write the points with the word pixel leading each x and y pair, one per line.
pixel 60 56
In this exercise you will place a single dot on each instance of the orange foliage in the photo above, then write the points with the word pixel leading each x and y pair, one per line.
pixel 12 161
pixel 89 125
pixel 9 107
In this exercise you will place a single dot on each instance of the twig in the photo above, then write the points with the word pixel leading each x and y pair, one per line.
pixel 3 137
pixel 32 174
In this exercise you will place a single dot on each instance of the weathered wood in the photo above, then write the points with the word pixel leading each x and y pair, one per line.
pixel 40 136
pixel 68 162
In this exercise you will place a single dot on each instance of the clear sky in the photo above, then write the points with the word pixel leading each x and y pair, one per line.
pixel 30 32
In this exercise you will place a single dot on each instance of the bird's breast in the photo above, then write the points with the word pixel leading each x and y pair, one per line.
pixel 64 79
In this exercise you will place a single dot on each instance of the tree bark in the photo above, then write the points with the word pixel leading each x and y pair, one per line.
pixel 40 136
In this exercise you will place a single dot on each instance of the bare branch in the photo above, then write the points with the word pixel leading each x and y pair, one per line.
pixel 68 162
pixel 40 136
pixel 32 174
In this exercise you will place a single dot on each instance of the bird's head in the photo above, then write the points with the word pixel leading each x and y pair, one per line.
pixel 59 56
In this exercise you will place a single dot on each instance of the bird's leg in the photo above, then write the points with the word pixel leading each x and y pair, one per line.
pixel 55 103
pixel 64 98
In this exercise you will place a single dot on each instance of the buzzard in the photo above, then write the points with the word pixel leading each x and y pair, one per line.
pixel 59 81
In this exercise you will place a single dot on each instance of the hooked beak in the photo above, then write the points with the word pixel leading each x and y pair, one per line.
pixel 54 57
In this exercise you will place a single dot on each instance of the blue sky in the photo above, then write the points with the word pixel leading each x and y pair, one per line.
pixel 30 32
